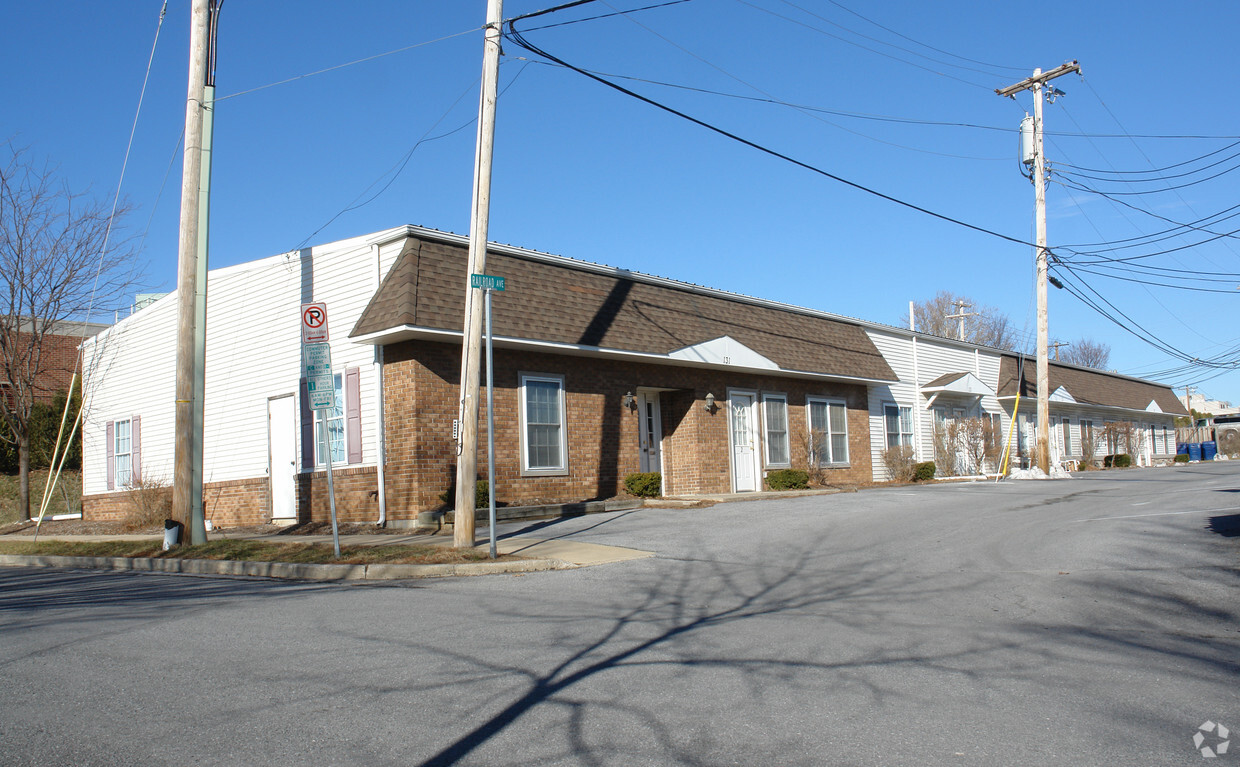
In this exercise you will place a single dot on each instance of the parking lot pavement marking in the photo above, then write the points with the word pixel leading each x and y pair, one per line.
pixel 1162 514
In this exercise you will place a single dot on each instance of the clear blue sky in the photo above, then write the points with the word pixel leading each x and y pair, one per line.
pixel 586 172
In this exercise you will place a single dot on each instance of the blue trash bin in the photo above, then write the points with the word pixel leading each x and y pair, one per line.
pixel 1209 450
pixel 1194 451
pixel 1181 448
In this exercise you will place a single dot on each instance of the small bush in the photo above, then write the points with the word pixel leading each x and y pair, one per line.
pixel 1181 458
pixel 1117 461
pixel 924 472
pixel 482 494
pixel 150 503
pixel 900 464
pixel 644 484
pixel 787 479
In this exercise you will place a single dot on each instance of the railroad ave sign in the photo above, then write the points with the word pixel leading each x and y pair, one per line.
pixel 314 323
pixel 486 281
pixel 317 368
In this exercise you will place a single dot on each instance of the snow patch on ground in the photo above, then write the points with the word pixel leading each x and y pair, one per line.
pixel 1057 472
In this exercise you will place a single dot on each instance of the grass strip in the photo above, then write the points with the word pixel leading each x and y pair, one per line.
pixel 253 551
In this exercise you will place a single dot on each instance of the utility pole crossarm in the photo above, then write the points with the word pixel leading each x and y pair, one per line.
pixel 1038 79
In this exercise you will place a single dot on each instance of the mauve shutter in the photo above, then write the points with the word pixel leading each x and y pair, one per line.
pixel 307 429
pixel 110 438
pixel 135 449
pixel 353 413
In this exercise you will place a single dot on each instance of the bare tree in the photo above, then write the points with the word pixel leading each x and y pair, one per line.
pixel 56 256
pixel 1091 354
pixel 988 326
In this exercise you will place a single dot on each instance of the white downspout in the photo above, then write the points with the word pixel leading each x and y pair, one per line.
pixel 381 427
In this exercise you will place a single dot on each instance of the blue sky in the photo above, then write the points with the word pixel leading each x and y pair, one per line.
pixel 583 171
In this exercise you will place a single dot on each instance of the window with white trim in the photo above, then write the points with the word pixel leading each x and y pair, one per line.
pixel 828 428
pixel 335 427
pixel 775 421
pixel 1066 423
pixel 543 441
pixel 898 422
pixel 1088 443
pixel 122 450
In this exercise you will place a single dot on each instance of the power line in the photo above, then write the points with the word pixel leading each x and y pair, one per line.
pixel 516 36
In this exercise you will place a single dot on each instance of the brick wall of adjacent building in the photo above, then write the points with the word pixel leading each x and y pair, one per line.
pixel 420 390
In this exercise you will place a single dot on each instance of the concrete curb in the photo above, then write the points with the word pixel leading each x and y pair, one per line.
pixel 286 570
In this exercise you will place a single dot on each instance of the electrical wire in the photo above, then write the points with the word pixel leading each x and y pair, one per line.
pixel 517 38
pixel 1154 170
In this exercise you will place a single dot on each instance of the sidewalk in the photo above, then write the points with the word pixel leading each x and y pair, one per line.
pixel 537 555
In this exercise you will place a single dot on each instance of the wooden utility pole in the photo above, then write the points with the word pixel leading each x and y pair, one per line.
pixel 187 276
pixel 960 315
pixel 1035 83
pixel 1056 346
pixel 471 337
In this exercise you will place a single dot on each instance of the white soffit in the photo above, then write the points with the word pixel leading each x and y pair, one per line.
pixel 1062 395
pixel 724 350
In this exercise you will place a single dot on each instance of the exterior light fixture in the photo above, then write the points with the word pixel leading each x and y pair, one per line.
pixel 628 401
pixel 710 403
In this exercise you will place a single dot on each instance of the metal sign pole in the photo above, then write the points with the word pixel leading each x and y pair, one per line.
pixel 331 492
pixel 490 424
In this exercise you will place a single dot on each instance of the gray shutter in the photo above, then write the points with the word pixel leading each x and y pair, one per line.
pixel 110 438
pixel 307 429
pixel 353 413
pixel 135 448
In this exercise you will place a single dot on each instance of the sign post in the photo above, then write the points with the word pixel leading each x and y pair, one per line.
pixel 321 391
pixel 489 283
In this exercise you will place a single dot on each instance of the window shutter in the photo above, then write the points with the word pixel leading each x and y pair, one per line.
pixel 307 429
pixel 110 438
pixel 353 413
pixel 135 449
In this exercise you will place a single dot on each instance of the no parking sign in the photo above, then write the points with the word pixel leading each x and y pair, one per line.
pixel 314 323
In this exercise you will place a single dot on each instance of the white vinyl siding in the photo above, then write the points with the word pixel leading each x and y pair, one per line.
pixel 544 447
pixel 828 427
pixel 775 421
pixel 253 349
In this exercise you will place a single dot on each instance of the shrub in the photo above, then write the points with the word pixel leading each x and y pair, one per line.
pixel 900 464
pixel 924 471
pixel 1117 460
pixel 644 484
pixel 1181 458
pixel 482 494
pixel 150 503
pixel 787 479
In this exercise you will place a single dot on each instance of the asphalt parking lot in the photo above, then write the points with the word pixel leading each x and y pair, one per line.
pixel 1090 621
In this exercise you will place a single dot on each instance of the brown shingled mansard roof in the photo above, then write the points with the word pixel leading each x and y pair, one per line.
pixel 563 301
pixel 1088 386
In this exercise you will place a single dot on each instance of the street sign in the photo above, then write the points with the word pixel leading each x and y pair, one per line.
pixel 486 281
pixel 314 323
pixel 317 369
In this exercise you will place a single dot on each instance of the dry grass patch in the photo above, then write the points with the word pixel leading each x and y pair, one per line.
pixel 66 498
pixel 254 551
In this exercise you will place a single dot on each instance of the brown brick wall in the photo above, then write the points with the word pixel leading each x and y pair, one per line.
pixel 421 393
pixel 248 501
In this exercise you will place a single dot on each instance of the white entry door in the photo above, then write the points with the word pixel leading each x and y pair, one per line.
pixel 651 431
pixel 282 456
pixel 744 454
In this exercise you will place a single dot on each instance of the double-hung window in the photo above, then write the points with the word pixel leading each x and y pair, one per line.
pixel 544 448
pixel 335 427
pixel 899 423
pixel 775 420
pixel 122 449
pixel 1088 445
pixel 828 428
pixel 1067 436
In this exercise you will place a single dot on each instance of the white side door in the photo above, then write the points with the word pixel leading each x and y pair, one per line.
pixel 744 454
pixel 651 436
pixel 282 456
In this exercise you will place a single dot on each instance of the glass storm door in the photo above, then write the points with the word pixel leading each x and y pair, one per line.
pixel 651 435
pixel 744 468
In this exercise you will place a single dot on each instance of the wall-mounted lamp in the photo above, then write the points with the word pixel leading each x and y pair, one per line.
pixel 710 403
pixel 628 401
